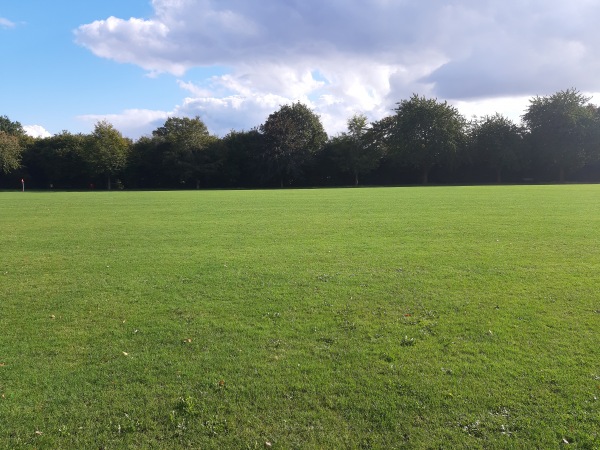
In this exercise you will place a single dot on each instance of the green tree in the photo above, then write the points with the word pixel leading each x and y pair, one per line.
pixel 354 152
pixel 189 151
pixel 107 151
pixel 58 160
pixel 12 136
pixel 497 143
pixel 9 127
pixel 10 152
pixel 381 134
pixel 292 137
pixel 243 162
pixel 563 130
pixel 426 133
pixel 145 165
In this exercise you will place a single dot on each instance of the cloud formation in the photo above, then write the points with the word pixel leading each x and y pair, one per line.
pixel 343 57
pixel 5 23
pixel 36 131
pixel 132 122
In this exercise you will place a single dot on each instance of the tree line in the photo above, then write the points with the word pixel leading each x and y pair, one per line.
pixel 424 140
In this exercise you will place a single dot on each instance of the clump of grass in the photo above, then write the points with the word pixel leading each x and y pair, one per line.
pixel 407 342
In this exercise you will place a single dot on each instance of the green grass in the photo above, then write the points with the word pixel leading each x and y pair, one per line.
pixel 351 318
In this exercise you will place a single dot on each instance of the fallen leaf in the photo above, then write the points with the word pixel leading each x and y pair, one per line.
pixel 2 364
pixel 187 341
pixel 52 316
pixel 39 433
pixel 125 353
pixel 268 444
pixel 221 382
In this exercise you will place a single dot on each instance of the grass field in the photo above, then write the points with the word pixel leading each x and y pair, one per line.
pixel 442 317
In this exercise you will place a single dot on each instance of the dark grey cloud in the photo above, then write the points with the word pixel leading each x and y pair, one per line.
pixel 522 48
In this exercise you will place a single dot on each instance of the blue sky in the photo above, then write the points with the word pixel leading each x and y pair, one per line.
pixel 67 64
pixel 49 80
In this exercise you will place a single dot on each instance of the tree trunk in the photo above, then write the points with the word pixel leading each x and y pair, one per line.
pixel 279 172
pixel 425 175
pixel 561 175
pixel 355 178
pixel 108 185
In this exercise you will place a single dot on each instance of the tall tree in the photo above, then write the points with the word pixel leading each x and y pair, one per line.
pixel 563 130
pixel 188 149
pixel 353 152
pixel 292 135
pixel 427 133
pixel 107 151
pixel 497 143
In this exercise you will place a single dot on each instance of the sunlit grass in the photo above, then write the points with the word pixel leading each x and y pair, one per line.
pixel 350 318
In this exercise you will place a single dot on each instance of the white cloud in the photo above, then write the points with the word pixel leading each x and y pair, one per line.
pixel 510 107
pixel 142 42
pixel 234 112
pixel 132 122
pixel 343 57
pixel 36 131
pixel 197 91
pixel 5 23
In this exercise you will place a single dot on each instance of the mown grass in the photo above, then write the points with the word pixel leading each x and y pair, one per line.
pixel 461 317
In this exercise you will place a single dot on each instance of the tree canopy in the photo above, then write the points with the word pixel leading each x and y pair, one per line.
pixel 59 160
pixel 497 143
pixel 563 130
pixel 9 127
pixel 107 151
pixel 421 139
pixel 185 146
pixel 426 132
pixel 11 137
pixel 355 152
pixel 10 152
pixel 292 136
